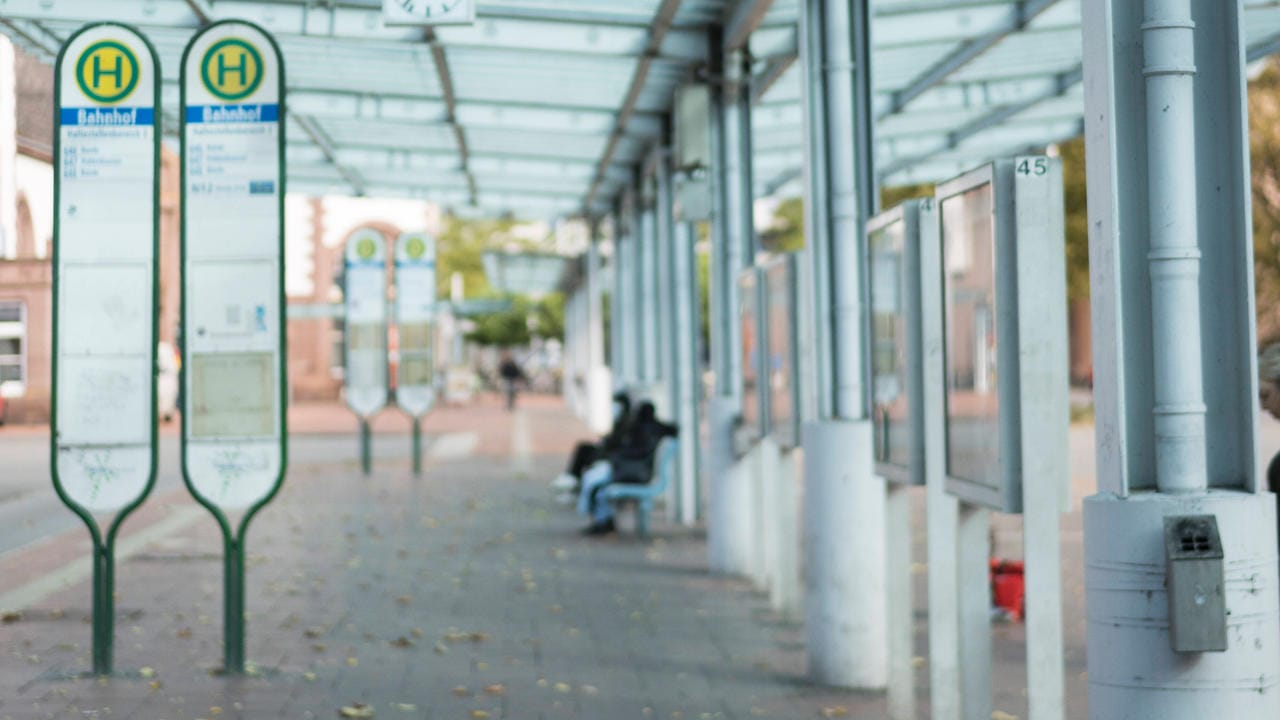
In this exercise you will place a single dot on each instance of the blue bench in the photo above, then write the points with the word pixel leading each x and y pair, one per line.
pixel 643 495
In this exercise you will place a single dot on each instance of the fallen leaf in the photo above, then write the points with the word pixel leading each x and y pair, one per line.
pixel 563 687
pixel 402 642
pixel 406 707
pixel 356 710
pixel 215 710
pixel 155 685
pixel 495 689
pixel 461 691
pixel 837 711
pixel 147 672
pixel 417 632
pixel 309 676
pixel 441 648
pixel 404 599
pixel 313 632
pixel 918 662
pixel 184 632
pixel 1002 715
pixel 9 618
pixel 482 666
pixel 479 714
pixel 353 661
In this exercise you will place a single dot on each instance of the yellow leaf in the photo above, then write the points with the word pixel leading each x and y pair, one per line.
pixel 496 689
pixel 353 661
pixel 215 710
pixel 147 672
pixel 837 711
pixel 563 687
pixel 461 691
pixel 1002 715
pixel 479 714
pixel 406 707
pixel 356 710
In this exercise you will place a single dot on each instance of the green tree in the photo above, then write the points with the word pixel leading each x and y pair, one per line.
pixel 1075 199
pixel 1264 151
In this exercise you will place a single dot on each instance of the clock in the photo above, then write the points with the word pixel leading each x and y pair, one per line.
pixel 428 12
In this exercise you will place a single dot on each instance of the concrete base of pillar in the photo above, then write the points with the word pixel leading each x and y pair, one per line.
pixel 846 606
pixel 599 403
pixel 1133 672
pixel 729 504
pixel 784 515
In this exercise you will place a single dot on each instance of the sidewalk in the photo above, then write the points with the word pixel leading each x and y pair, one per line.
pixel 463 594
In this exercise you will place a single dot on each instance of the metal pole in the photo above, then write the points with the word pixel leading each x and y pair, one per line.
pixel 233 606
pixel 366 452
pixel 417 447
pixel 1168 41
pixel 101 613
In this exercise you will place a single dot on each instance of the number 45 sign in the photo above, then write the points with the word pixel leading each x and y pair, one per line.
pixel 429 12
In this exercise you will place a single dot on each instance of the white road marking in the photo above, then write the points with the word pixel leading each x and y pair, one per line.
pixel 521 444
pixel 81 570
pixel 454 446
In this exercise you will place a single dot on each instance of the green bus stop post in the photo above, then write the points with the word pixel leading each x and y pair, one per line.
pixel 417 447
pixel 366 459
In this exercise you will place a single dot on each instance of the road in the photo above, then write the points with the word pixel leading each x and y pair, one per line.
pixel 30 511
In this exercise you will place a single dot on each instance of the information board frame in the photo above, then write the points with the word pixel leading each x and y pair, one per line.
pixel 919 225
pixel 378 393
pixel 750 317
pixel 421 261
pixel 1029 267
pixel 784 268
pixel 104 542
pixel 233 535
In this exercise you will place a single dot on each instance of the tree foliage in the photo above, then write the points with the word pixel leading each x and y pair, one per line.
pixel 1264 151
pixel 460 249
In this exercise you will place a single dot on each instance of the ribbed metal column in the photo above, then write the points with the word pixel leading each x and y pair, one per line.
pixel 1168 37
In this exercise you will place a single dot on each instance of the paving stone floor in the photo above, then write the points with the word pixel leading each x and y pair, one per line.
pixel 462 594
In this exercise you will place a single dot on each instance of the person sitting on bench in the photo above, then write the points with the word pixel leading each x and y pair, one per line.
pixel 587 454
pixel 631 463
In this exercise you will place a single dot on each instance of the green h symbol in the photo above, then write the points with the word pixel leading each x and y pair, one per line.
pixel 99 72
pixel 242 69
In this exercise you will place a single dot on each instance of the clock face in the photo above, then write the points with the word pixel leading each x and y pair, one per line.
pixel 426 12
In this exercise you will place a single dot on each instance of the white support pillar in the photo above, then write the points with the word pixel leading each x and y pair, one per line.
pixel 1171 265
pixel 686 377
pixel 599 379
pixel 618 302
pixel 729 531
pixel 845 504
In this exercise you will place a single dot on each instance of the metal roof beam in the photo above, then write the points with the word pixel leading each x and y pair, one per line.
pixel 741 19
pixel 203 10
pixel 441 61
pixel 326 146
pixel 658 31
pixel 1023 13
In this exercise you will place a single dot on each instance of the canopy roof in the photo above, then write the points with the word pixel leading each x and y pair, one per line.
pixel 543 108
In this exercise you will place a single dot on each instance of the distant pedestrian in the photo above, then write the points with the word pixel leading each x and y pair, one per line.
pixel 512 376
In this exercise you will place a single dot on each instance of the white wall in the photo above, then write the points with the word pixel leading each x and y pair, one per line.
pixel 34 179
pixel 8 150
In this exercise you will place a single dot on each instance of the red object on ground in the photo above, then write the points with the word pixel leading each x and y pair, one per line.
pixel 1008 591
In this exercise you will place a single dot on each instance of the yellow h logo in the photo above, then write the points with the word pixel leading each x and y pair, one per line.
pixel 231 69
pixel 107 72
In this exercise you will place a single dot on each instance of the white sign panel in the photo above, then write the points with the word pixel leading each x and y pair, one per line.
pixel 366 324
pixel 428 12
pixel 106 170
pixel 233 242
pixel 415 322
